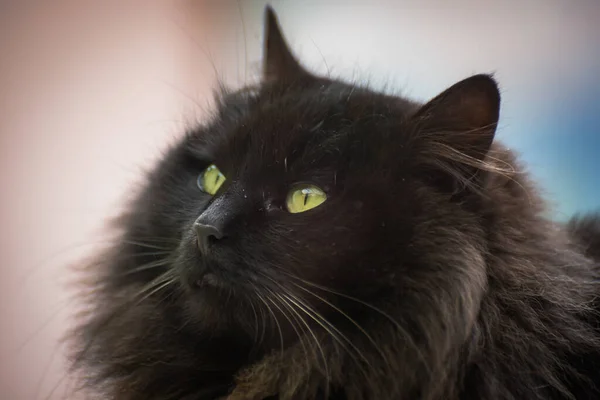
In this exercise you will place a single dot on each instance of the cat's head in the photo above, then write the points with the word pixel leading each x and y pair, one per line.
pixel 309 191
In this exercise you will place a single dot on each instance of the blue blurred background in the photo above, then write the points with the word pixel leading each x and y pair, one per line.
pixel 562 146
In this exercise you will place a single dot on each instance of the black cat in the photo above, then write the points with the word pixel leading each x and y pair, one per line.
pixel 319 240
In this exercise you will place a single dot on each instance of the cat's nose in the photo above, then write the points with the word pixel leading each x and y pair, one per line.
pixel 206 233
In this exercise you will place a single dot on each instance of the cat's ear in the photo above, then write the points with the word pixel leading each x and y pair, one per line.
pixel 455 131
pixel 464 117
pixel 278 61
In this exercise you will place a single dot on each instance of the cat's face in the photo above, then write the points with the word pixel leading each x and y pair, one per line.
pixel 306 182
pixel 309 183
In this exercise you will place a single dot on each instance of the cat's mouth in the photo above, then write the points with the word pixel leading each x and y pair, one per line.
pixel 210 279
pixel 211 275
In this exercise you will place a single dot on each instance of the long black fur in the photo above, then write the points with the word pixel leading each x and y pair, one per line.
pixel 431 271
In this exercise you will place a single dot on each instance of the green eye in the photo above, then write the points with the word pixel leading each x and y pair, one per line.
pixel 211 179
pixel 304 197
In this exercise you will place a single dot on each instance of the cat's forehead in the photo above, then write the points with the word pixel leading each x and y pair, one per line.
pixel 300 127
pixel 309 127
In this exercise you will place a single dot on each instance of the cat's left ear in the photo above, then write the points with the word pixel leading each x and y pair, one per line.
pixel 463 118
pixel 278 61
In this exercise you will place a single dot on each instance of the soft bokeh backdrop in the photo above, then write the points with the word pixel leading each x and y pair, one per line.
pixel 91 92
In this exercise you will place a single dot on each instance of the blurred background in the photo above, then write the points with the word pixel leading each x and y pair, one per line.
pixel 90 93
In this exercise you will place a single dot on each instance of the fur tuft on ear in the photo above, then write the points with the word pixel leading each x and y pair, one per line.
pixel 279 63
pixel 464 116
pixel 456 128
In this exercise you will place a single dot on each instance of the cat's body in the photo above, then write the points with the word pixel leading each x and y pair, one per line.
pixel 430 271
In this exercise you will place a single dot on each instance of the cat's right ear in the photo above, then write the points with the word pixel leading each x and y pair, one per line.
pixel 463 117
pixel 279 64
pixel 457 128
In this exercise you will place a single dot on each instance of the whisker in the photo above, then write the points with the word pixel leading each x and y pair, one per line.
pixel 316 340
pixel 171 240
pixel 322 57
pixel 60 307
pixel 142 244
pixel 144 254
pixel 301 337
pixel 165 281
pixel 157 284
pixel 239 4
pixel 261 298
pixel 264 325
pixel 277 323
pixel 35 268
pixel 146 267
pixel 328 326
pixel 255 318
pixel 395 323
pixel 320 320
pixel 333 331
pixel 56 386
pixel 47 368
pixel 407 336
pixel 358 326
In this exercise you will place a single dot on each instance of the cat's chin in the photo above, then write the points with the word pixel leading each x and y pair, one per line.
pixel 220 307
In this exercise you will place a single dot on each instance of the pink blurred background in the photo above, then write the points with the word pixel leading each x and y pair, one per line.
pixel 91 92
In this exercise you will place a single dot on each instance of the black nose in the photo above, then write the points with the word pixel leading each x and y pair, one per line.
pixel 205 233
